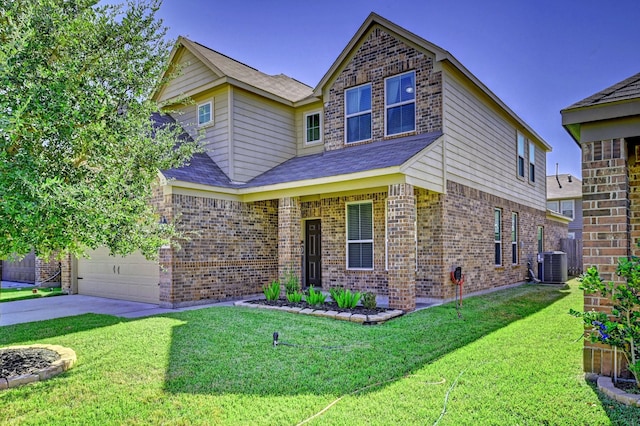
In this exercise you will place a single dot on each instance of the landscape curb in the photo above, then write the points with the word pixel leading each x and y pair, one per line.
pixel 343 316
pixel 67 360
pixel 605 385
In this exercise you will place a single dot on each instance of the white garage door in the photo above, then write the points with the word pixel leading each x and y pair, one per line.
pixel 129 278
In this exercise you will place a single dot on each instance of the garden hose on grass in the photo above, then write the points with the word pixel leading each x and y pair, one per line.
pixel 277 343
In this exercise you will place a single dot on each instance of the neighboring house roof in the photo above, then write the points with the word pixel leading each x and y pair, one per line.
pixel 200 169
pixel 618 102
pixel 279 85
pixel 571 187
pixel 360 158
pixel 625 90
pixel 441 56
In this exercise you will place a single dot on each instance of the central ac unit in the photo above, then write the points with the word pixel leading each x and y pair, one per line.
pixel 554 267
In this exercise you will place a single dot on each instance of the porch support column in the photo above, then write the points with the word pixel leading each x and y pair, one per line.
pixel 289 234
pixel 401 246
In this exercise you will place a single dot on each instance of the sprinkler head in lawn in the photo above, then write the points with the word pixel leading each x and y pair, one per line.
pixel 275 338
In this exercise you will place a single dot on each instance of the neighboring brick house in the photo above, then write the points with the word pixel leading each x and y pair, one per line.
pixel 399 165
pixel 607 128
pixel 564 196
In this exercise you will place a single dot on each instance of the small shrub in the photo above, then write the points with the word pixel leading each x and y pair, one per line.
pixel 291 282
pixel 272 291
pixel 315 297
pixel 294 297
pixel 344 298
pixel 369 300
pixel 620 329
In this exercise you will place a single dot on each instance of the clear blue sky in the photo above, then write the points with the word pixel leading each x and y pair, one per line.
pixel 537 56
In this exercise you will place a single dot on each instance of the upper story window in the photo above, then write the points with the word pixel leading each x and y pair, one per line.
pixel 360 236
pixel 358 113
pixel 567 208
pixel 553 206
pixel 521 147
pixel 532 162
pixel 312 128
pixel 205 114
pixel 400 103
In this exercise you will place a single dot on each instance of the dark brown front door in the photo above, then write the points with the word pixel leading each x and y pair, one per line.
pixel 313 268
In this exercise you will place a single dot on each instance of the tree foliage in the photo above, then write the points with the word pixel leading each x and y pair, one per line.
pixel 78 150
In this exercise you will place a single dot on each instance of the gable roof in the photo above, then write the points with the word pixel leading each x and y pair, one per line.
pixel 441 55
pixel 280 85
pixel 571 187
pixel 625 90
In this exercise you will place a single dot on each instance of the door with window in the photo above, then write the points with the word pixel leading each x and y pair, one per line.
pixel 312 255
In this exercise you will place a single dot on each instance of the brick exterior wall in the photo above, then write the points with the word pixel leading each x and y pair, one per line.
pixel 334 254
pixel 381 55
pixel 467 239
pixel 611 219
pixel 401 247
pixel 289 247
pixel 231 252
pixel 47 270
pixel 453 229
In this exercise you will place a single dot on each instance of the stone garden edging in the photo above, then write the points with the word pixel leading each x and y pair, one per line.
pixel 343 316
pixel 606 386
pixel 67 360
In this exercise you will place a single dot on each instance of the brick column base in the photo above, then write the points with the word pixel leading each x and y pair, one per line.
pixel 401 247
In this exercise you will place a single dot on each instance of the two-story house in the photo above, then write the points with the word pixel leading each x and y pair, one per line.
pixel 398 166
pixel 564 196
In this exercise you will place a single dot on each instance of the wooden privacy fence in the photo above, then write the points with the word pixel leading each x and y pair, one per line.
pixel 573 248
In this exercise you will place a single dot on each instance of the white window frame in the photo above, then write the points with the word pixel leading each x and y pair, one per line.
pixel 348 241
pixel 306 128
pixel 347 116
pixel 399 104
pixel 556 207
pixel 514 238
pixel 210 121
pixel 573 208
pixel 497 230
pixel 532 162
pixel 520 154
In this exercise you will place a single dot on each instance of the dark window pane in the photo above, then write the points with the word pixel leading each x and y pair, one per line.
pixel 498 254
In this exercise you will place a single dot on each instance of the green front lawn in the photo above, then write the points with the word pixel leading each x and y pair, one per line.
pixel 513 358
pixel 13 294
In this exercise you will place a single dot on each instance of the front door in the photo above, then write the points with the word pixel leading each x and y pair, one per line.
pixel 313 266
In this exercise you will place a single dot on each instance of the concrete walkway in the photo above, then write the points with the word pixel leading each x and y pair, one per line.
pixel 45 308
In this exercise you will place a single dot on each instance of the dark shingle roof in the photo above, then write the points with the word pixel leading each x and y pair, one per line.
pixel 625 90
pixel 360 158
pixel 377 155
pixel 200 169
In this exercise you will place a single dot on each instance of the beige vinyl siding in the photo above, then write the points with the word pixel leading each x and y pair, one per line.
pixel 215 138
pixel 303 148
pixel 481 147
pixel 263 133
pixel 192 74
pixel 427 170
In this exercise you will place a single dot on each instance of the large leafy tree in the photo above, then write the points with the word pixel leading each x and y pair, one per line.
pixel 78 151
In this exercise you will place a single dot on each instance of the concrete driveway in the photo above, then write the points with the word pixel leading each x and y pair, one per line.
pixel 46 308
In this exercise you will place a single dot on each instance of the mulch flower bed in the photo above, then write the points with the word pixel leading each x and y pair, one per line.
pixel 17 362
pixel 327 306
